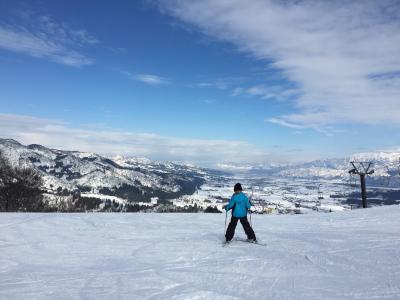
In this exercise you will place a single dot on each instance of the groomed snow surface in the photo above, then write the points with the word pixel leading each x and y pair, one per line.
pixel 342 255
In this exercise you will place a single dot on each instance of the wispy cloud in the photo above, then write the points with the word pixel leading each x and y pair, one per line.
pixel 278 93
pixel 342 56
pixel 221 83
pixel 316 121
pixel 150 79
pixel 285 123
pixel 42 37
pixel 237 91
pixel 27 129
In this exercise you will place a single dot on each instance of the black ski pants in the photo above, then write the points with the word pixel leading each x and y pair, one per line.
pixel 230 232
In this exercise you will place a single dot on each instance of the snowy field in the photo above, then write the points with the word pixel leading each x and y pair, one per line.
pixel 343 255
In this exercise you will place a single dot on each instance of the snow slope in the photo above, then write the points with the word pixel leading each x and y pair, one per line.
pixel 344 255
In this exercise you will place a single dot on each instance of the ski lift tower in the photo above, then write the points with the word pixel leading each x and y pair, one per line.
pixel 362 169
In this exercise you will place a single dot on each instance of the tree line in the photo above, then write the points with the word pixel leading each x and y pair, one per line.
pixel 20 188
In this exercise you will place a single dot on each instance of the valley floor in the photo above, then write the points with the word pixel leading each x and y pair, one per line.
pixel 343 255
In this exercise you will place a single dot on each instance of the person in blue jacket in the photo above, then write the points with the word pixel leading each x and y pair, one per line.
pixel 239 204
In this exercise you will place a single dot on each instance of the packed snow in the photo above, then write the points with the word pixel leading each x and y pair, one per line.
pixel 342 255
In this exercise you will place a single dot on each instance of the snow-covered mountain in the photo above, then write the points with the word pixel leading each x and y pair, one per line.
pixel 133 179
pixel 385 164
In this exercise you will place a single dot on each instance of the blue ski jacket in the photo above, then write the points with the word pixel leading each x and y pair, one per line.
pixel 239 204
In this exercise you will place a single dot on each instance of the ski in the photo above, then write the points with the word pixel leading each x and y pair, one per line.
pixel 254 243
pixel 251 242
pixel 225 244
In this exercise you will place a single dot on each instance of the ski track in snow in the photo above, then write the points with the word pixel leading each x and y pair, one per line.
pixel 343 255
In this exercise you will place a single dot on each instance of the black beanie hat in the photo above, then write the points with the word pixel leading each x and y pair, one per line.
pixel 237 187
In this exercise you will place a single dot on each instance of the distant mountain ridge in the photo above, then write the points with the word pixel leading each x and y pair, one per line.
pixel 385 164
pixel 128 178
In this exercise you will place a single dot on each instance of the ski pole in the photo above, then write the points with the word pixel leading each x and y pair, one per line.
pixel 251 198
pixel 226 216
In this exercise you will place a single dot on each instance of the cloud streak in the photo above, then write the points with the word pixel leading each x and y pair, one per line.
pixel 42 37
pixel 342 56
pixel 151 79
pixel 28 130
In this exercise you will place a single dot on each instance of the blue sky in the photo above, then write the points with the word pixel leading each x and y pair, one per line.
pixel 204 81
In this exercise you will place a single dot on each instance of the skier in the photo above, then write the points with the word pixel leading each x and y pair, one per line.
pixel 239 204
